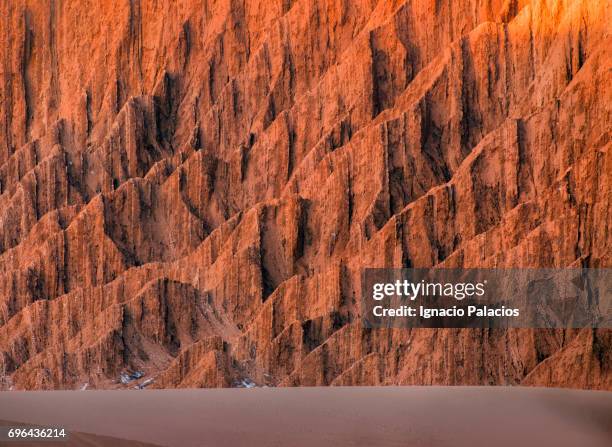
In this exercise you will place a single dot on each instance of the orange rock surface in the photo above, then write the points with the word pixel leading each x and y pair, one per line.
pixel 192 189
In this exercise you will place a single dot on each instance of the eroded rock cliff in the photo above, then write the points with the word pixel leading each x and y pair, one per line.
pixel 191 189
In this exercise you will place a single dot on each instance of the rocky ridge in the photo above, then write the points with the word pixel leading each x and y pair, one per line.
pixel 192 190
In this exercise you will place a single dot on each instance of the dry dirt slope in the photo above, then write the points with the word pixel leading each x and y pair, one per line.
pixel 192 188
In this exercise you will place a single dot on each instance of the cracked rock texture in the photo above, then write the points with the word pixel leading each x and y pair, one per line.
pixel 191 189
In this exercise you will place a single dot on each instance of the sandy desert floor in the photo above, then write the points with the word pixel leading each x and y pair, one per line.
pixel 374 416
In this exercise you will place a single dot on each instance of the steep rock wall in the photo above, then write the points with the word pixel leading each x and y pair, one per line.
pixel 192 189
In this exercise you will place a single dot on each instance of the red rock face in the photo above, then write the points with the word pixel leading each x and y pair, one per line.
pixel 191 189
